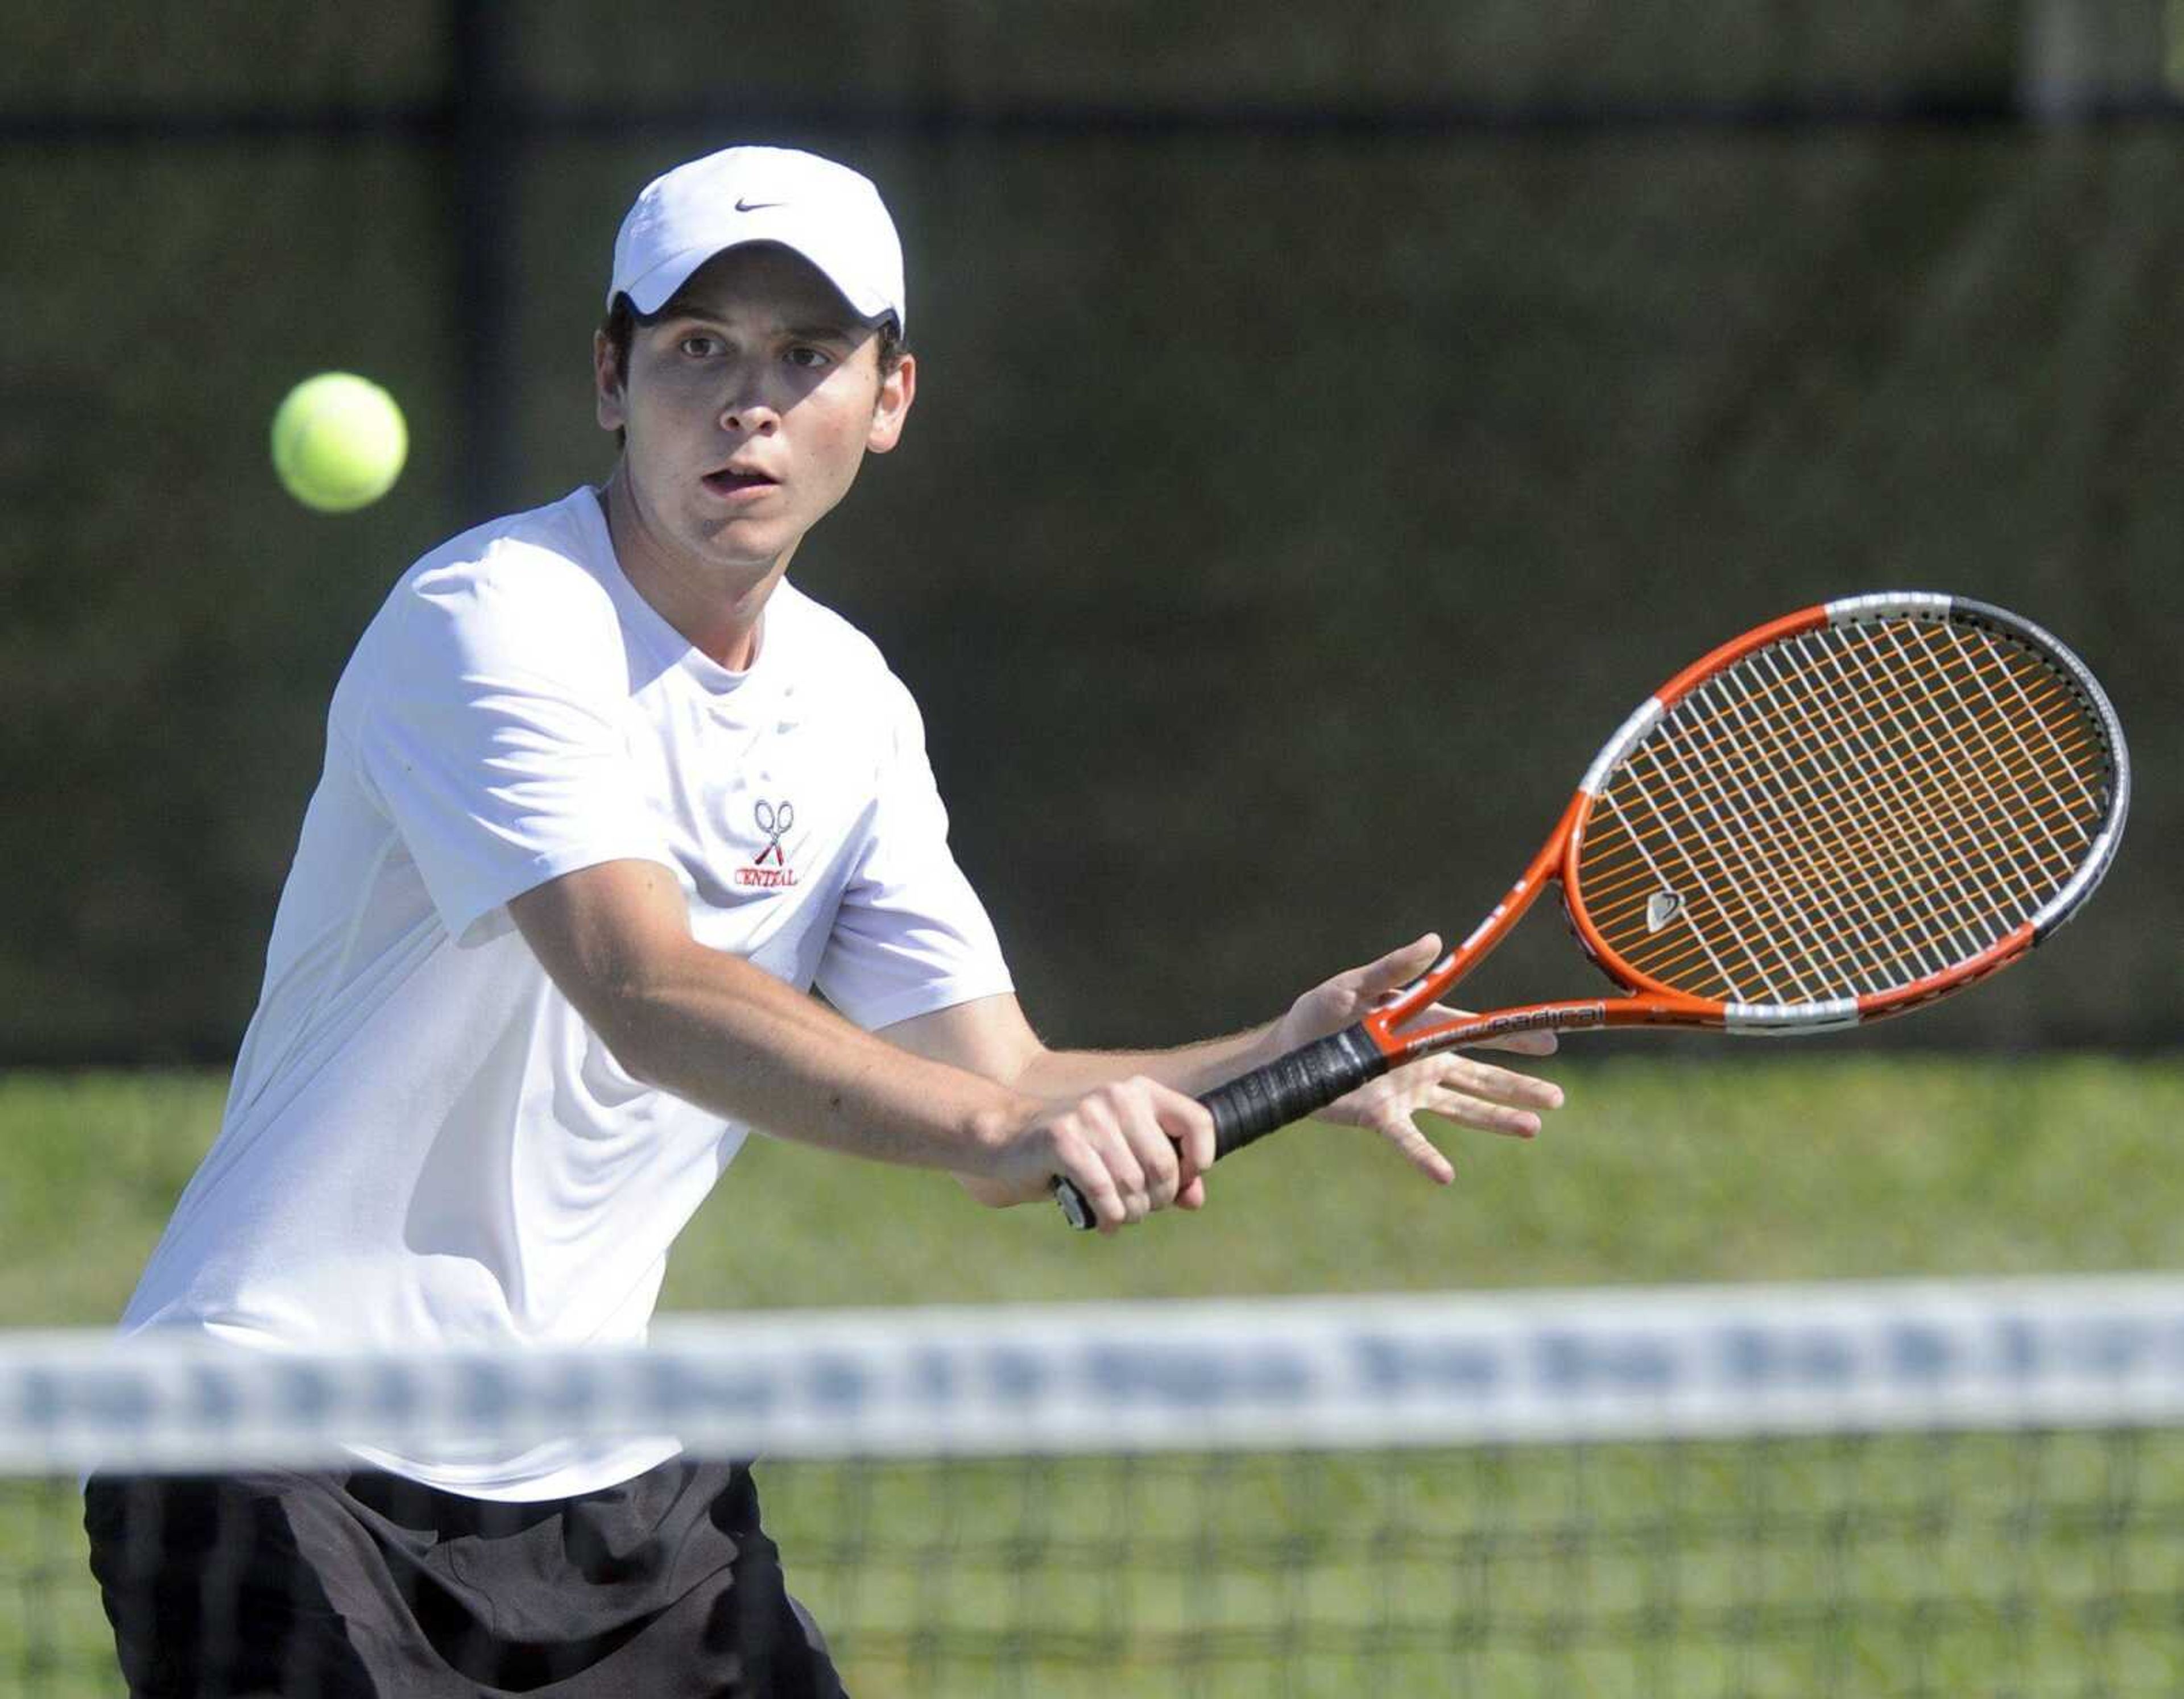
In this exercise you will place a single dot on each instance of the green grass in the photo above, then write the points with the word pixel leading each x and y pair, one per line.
pixel 1865 1568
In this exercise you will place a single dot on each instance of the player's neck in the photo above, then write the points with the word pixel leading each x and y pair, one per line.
pixel 717 614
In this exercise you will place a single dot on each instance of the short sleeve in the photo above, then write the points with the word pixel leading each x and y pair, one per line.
pixel 910 935
pixel 490 726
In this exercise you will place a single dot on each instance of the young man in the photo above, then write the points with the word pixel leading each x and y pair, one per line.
pixel 606 798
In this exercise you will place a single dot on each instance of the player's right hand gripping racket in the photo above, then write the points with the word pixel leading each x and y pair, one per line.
pixel 1841 815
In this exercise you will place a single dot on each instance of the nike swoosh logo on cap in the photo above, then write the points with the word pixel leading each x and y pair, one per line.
pixel 756 206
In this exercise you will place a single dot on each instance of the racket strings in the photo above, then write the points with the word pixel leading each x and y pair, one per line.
pixel 1984 722
pixel 1844 813
pixel 1811 875
pixel 1838 936
pixel 1817 879
pixel 2049 759
pixel 1812 855
pixel 1786 702
pixel 2006 793
pixel 1945 828
pixel 1942 824
pixel 1838 930
pixel 1808 876
pixel 1934 851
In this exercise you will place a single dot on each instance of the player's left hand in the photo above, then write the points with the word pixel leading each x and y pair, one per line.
pixel 1452 1084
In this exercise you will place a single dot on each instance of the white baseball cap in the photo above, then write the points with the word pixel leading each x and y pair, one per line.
pixel 827 213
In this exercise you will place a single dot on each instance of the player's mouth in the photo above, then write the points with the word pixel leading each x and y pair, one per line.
pixel 736 484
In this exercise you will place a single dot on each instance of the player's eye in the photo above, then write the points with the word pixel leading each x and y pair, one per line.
pixel 699 346
pixel 811 359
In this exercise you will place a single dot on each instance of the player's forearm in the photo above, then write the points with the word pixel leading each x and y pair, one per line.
pixel 724 1034
pixel 1194 1068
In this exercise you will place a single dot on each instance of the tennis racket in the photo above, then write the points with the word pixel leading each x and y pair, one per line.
pixel 1842 815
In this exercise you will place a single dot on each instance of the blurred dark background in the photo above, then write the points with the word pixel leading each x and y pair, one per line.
pixel 1331 421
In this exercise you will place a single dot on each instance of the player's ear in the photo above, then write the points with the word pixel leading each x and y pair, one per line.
pixel 898 389
pixel 607 377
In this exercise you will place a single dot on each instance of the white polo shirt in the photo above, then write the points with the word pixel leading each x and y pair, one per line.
pixel 424 1142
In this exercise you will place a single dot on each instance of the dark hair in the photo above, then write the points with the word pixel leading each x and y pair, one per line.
pixel 620 328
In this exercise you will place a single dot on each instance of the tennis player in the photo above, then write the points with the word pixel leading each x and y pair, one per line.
pixel 606 799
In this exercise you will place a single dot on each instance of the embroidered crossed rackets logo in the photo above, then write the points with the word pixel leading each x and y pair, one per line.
pixel 774 819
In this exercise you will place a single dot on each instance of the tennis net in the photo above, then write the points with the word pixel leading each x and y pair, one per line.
pixel 1869 1489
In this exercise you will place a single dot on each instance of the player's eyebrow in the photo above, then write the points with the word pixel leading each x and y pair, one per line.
pixel 809 330
pixel 827 331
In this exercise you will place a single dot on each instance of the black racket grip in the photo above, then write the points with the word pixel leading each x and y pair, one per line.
pixel 1292 1087
pixel 1249 1107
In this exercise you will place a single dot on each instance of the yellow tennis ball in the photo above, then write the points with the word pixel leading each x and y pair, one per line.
pixel 338 441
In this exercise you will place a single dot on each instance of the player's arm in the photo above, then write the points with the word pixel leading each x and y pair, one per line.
pixel 991 1036
pixel 711 1028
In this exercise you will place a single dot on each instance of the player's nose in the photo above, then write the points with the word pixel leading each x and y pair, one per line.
pixel 748 405
pixel 751 417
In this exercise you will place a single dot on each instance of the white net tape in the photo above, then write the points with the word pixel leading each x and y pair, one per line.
pixel 1248 1374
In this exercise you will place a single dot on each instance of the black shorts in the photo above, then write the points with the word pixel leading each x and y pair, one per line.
pixel 338 1586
